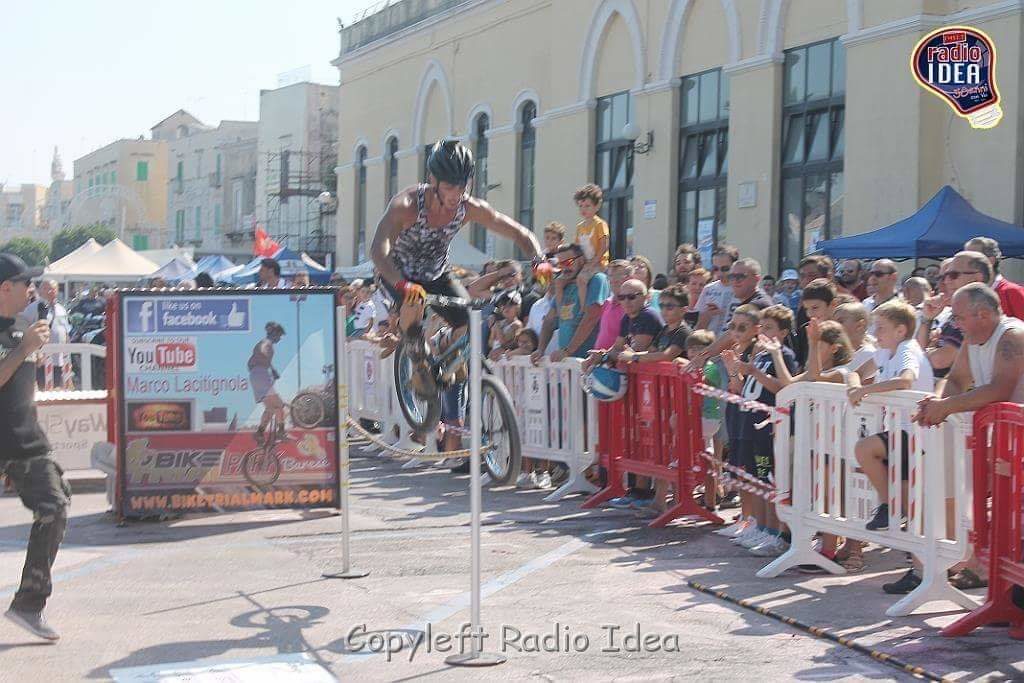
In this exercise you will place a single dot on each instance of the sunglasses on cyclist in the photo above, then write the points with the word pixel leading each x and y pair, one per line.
pixel 628 297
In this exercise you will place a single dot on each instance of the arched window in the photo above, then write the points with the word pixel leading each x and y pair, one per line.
pixel 527 145
pixel 483 124
pixel 813 149
pixel 360 204
pixel 392 169
pixel 614 170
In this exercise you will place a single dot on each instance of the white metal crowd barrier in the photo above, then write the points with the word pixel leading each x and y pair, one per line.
pixel 372 396
pixel 85 353
pixel 557 419
pixel 817 466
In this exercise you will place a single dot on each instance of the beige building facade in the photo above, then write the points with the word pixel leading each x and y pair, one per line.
pixel 768 124
pixel 211 183
pixel 21 211
pixel 124 187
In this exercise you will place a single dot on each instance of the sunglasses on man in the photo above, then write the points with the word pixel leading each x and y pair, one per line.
pixel 956 274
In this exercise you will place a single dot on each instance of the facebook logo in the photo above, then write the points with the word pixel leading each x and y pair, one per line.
pixel 140 316
pixel 193 314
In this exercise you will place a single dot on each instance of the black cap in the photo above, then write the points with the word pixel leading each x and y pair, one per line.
pixel 13 268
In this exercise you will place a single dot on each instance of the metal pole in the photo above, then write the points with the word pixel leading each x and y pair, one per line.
pixel 475 657
pixel 341 373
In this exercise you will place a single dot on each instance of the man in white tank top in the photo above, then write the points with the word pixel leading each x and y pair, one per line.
pixel 991 359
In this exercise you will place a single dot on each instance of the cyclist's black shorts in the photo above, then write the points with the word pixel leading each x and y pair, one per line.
pixel 446 285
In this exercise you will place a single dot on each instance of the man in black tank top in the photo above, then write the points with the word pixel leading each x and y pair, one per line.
pixel 24 450
pixel 411 247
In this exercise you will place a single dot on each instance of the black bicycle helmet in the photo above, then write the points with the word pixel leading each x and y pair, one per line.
pixel 451 162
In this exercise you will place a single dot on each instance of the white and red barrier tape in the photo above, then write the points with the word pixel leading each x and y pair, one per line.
pixel 743 480
pixel 745 404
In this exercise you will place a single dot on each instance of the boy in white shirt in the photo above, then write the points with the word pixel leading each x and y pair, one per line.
pixel 901 365
pixel 366 311
pixel 854 319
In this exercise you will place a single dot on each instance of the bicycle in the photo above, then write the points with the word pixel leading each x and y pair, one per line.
pixel 315 406
pixel 419 388
pixel 262 465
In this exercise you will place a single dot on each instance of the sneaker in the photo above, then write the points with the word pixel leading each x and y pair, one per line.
pixel 641 503
pixel 33 622
pixel 461 468
pixel 531 483
pixel 879 519
pixel 544 481
pixel 754 540
pixel 622 502
pixel 522 480
pixel 773 547
pixel 733 528
pixel 904 585
pixel 559 475
pixel 750 530
pixel 731 500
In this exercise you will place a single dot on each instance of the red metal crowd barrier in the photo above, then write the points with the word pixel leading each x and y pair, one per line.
pixel 999 473
pixel 655 431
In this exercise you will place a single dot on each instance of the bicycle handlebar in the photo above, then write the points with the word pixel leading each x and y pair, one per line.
pixel 439 300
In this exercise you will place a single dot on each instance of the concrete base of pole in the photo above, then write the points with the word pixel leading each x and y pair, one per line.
pixel 350 574
pixel 475 659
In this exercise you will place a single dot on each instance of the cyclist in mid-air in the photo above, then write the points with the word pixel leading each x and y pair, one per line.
pixel 411 248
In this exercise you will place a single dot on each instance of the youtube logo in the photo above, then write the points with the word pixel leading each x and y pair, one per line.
pixel 175 355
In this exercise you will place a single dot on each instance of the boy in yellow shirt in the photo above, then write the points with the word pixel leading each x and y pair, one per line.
pixel 592 235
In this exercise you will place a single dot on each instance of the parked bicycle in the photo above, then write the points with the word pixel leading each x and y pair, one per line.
pixel 420 386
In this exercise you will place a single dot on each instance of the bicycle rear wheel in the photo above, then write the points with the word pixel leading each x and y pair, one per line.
pixel 421 406
pixel 308 409
pixel 501 453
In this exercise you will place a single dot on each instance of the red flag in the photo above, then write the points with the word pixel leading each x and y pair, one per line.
pixel 263 245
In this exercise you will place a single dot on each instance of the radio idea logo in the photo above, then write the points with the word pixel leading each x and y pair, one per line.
pixel 958 64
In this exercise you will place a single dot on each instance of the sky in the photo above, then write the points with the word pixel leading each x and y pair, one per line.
pixel 80 75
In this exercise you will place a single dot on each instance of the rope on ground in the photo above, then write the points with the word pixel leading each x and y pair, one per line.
pixel 403 453
pixel 877 655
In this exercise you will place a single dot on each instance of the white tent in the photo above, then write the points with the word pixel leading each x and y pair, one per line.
pixel 162 257
pixel 115 262
pixel 89 248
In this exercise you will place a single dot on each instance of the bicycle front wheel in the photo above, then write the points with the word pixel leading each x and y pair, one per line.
pixel 418 393
pixel 262 466
pixel 499 434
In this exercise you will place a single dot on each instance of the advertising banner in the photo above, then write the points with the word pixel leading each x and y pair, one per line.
pixel 73 427
pixel 227 401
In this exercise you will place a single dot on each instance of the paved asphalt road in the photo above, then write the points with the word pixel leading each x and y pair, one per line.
pixel 247 587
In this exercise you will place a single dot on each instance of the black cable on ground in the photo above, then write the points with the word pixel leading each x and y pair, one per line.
pixel 883 657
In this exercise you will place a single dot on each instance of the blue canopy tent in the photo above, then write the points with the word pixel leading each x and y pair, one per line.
pixel 939 229
pixel 291 263
pixel 175 270
pixel 214 265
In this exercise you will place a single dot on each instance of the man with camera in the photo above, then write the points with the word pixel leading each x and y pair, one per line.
pixel 47 308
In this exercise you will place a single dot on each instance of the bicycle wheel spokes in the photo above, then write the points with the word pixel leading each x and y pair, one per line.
pixel 499 437
pixel 421 411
